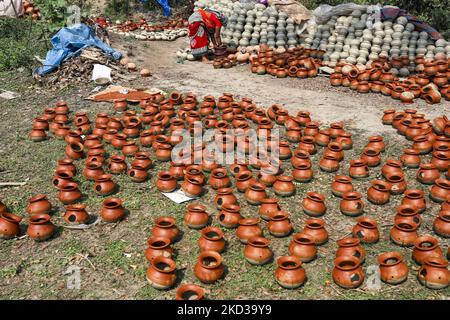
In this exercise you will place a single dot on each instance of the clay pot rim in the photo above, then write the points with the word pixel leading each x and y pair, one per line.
pixel 386 256
pixel 65 161
pixel 259 242
pixel 414 193
pixel 167 261
pixel 76 147
pixel 303 239
pixel 343 179
pixel 358 163
pixel 427 166
pixel 279 216
pixel 258 186
pixel 281 262
pixel 193 179
pixel 338 263
pixel 395 178
pixel 380 185
pixel 426 239
pixel 39 218
pixel 403 226
pixel 210 254
pixel 196 207
pixel 308 139
pixel 219 173
pixel 302 166
pixel 249 221
pixel 69 186
pixel 103 177
pixel 352 195
pixel 269 201
pixel 165 175
pixel 367 223
pixel 219 235
pixel 112 203
pixel 94 165
pixel 348 242
pixel 41 196
pixel 165 222
pixel 435 261
pixel 411 151
pixel 371 152
pixel 188 288
pixel 231 207
pixel 299 153
pixel 76 207
pixel 224 191
pixel 442 183
pixel 10 217
pixel 315 223
pixel 314 196
pixel 152 241
pixel 407 210
pixel 284 178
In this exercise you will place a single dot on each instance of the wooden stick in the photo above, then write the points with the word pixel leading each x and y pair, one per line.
pixel 12 184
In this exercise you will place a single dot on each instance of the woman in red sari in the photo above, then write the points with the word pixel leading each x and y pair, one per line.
pixel 204 27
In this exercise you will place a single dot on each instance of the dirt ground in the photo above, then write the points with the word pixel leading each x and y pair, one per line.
pixel 110 256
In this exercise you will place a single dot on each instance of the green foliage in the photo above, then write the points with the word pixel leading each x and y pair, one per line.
pixel 434 12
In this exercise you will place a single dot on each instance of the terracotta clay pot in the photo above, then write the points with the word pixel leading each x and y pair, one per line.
pixel 137 173
pixel 426 247
pixel 300 157
pixel 40 227
pixel 441 224
pixel 397 183
pixel 196 216
pixel 392 167
pixel 189 292
pixel 279 224
pixel 104 185
pixel 415 198
pixel 69 193
pixel 229 216
pixel 162 273
pixel 341 185
pixel 345 140
pixel 404 233
pixel 440 190
pixel 166 182
pixel 314 204
pixel 165 227
pixel 248 228
pixel 408 213
pixel 268 207
pixel 351 247
pixel 212 239
pixel 142 158
pixel 219 179
pixel 329 163
pixel 422 145
pixel 209 267
pixel 255 193
pixel 224 196
pixel 303 247
pixel 427 174
pixel 290 273
pixel 283 186
pixel 112 210
pixel 393 268
pixel 351 204
pixel 316 229
pixel 388 116
pixel 93 170
pixel 192 186
pixel 257 251
pixel 76 214
pixel 434 273
pixel 39 205
pixel 322 138
pixel 410 158
pixel 67 165
pixel 371 156
pixel 358 169
pixel 117 164
pixel 347 272
pixel 303 173
pixel 9 225
pixel 75 151
pixel 441 160
pixel 379 192
pixel 158 247
pixel 307 143
pixel 366 230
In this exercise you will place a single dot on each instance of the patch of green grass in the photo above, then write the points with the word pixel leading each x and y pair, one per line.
pixel 72 247
pixel 9 272
pixel 114 255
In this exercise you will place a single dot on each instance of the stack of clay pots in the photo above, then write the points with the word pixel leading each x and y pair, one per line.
pixel 355 39
pixel 141 30
pixel 295 62
pixel 431 84
pixel 31 10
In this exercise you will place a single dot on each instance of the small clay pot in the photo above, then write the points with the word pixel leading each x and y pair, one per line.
pixel 224 196
pixel 314 204
pixel 408 213
pixel 209 267
pixel 67 165
pixel 165 227
pixel 345 140
pixel 379 192
pixel 248 228
pixel 192 186
pixel 441 224
pixel 422 145
pixel 427 174
pixel 322 138
pixel 93 170
pixel 388 116
pixel 415 198
pixel 129 148
pixel 303 247
pixel 351 204
pixel 219 179
pixel 257 251
pixel 104 185
pixel 307 143
pixel 255 193
pixel 434 273
pixel 424 248
pixel 351 247
pixel 300 157
pixel 196 216
pixel 393 268
pixel 440 190
pixel 39 205
pixel 358 169
pixel 392 167
pixel 137 173
pixel 283 186
pixel 229 216
pixel 117 164
pixel 112 210
pixel 290 273
pixel 40 227
pixel 410 158
pixel 397 183
pixel 279 224
pixel 166 182
pixel 366 230
pixel 341 185
pixel 212 239
pixel 69 193
pixel 347 272
pixel 268 207
pixel 162 273
pixel 158 247
pixel 404 233
pixel 376 143
pixel 76 214
pixel 316 229
pixel 75 151
pixel 189 292
pixel 142 158
pixel 371 156
pixel 9 225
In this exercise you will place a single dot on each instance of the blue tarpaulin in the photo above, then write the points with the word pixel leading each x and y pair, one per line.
pixel 69 42
pixel 167 10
